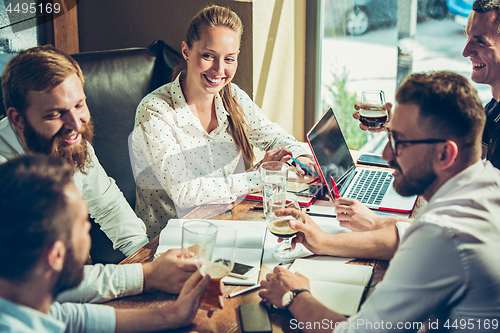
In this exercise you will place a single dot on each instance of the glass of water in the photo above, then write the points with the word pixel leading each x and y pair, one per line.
pixel 274 176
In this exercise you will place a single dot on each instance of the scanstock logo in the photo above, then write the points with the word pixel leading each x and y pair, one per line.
pixel 25 14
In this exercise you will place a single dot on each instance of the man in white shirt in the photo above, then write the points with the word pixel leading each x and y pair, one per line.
pixel 44 244
pixel 47 113
pixel 446 264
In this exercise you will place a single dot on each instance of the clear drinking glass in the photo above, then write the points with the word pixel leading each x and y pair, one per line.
pixel 197 235
pixel 372 113
pixel 274 176
pixel 217 261
pixel 279 226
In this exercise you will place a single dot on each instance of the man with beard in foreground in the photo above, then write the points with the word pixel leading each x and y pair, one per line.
pixel 44 244
pixel 446 264
pixel 47 114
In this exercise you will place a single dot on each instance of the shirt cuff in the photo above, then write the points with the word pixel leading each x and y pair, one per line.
pixel 299 151
pixel 253 183
pixel 100 318
pixel 135 245
pixel 402 227
pixel 134 279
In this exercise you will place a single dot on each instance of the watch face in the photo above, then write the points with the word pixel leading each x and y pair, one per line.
pixel 287 298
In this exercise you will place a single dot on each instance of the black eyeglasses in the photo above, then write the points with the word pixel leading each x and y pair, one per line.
pixel 395 143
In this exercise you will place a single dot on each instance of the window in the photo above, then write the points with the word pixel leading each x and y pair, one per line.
pixel 360 48
pixel 18 31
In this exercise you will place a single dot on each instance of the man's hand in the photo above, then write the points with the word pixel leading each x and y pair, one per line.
pixel 183 311
pixel 167 273
pixel 354 215
pixel 279 282
pixel 358 106
pixel 310 235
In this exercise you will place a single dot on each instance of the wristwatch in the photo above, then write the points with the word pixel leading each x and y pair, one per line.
pixel 289 296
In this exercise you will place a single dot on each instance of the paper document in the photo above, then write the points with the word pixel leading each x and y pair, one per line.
pixel 250 240
pixel 337 285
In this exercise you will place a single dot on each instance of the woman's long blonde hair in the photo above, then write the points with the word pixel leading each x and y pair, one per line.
pixel 210 17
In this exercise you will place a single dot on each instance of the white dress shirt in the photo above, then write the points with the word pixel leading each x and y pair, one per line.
pixel 446 265
pixel 179 166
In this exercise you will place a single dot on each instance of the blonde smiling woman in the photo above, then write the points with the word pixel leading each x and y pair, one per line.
pixel 193 136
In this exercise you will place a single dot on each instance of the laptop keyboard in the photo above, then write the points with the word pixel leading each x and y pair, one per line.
pixel 371 186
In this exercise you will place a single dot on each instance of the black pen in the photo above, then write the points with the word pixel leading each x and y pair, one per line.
pixel 289 262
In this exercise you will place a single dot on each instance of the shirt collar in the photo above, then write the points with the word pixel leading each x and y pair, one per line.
pixel 25 319
pixel 184 116
pixel 493 111
pixel 460 179
pixel 9 134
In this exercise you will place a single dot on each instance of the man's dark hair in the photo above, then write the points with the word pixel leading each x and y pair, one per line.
pixel 483 6
pixel 34 211
pixel 449 108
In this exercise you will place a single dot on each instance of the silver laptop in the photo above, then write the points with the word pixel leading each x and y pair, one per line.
pixel 338 171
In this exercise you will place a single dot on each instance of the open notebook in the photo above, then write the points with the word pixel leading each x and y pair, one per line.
pixel 337 285
pixel 250 239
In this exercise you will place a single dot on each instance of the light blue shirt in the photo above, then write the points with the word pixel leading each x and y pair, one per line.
pixel 67 317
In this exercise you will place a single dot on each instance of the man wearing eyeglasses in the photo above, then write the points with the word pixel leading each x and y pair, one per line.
pixel 446 264
pixel 483 49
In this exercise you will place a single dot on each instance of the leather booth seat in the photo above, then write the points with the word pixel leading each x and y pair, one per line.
pixel 115 83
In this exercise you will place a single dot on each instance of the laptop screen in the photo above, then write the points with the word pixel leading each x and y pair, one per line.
pixel 330 149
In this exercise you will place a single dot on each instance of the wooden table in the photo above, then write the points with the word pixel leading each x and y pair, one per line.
pixel 227 319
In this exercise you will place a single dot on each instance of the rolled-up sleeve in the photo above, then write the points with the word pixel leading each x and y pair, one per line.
pixel 85 318
pixel 108 207
pixel 102 283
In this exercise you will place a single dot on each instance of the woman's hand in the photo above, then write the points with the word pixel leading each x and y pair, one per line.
pixel 277 154
pixel 308 162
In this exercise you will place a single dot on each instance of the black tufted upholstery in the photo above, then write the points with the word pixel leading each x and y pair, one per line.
pixel 115 83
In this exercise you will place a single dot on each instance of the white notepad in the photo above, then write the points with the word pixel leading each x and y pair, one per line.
pixel 250 239
pixel 337 285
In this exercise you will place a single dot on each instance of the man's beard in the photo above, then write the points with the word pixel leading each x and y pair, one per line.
pixel 71 274
pixel 416 180
pixel 76 155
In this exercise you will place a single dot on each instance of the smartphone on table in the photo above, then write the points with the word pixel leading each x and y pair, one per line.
pixel 254 318
pixel 243 271
pixel 375 160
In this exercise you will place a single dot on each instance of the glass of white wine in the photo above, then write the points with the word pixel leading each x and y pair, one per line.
pixel 279 225
pixel 372 112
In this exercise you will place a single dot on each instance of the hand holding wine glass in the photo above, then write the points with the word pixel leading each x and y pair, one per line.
pixel 372 111
pixel 279 225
